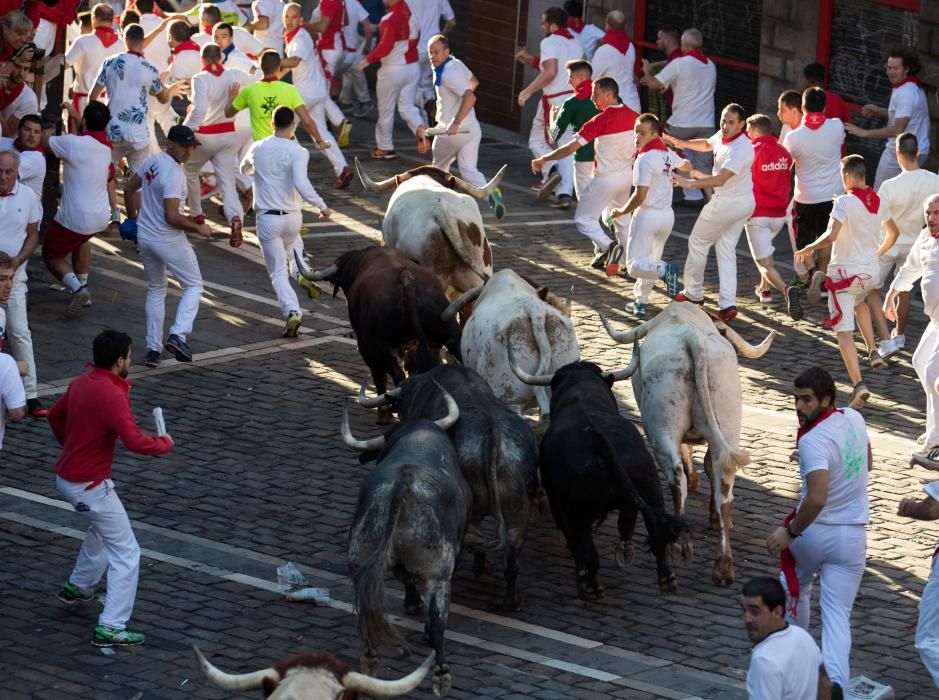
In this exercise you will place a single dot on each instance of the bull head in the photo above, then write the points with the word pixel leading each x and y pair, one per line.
pixel 315 275
pixel 453 182
pixel 751 352
pixel 381 400
pixel 632 335
pixel 465 298
pixel 545 379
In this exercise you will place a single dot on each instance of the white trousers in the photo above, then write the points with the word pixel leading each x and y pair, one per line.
pixel 354 84
pixel 539 145
pixel 606 191
pixel 583 172
pixel 162 114
pixel 173 253
pixel 761 230
pixel 396 86
pixel 221 150
pixel 927 626
pixel 316 106
pixel 18 333
pixel 926 364
pixel 464 149
pixel 337 62
pixel 279 236
pixel 136 152
pixel 837 553
pixel 648 232
pixel 109 546
pixel 719 226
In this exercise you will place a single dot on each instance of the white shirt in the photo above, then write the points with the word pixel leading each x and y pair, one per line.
pixel 692 84
pixel 84 207
pixel 273 36
pixel 86 56
pixel 209 97
pixel 184 65
pixel 161 178
pixel 909 101
pixel 279 167
pixel 356 14
pixel 428 14
pixel 839 445
pixel 922 263
pixel 561 49
pixel 25 103
pixel 608 62
pixel 308 75
pixel 12 393
pixel 589 38
pixel 653 169
pixel 128 80
pixel 612 131
pixel 157 52
pixel 817 156
pixel 859 237
pixel 454 82
pixel 244 41
pixel 737 157
pixel 32 170
pixel 784 666
pixel 238 59
pixel 17 211
pixel 902 198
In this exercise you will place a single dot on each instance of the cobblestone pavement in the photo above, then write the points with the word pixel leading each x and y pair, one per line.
pixel 259 476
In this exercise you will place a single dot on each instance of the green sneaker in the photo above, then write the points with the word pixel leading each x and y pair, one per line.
pixel 110 637
pixel 71 594
pixel 497 204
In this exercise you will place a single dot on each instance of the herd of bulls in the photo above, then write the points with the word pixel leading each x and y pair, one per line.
pixel 462 449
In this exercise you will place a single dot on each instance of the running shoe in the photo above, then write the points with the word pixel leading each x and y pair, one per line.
pixel 177 346
pixel 77 302
pixel 563 201
pixel 877 362
pixel 814 291
pixel 382 154
pixel 859 396
pixel 312 291
pixel 727 315
pixel 794 304
pixel 235 239
pixel 614 257
pixel 681 297
pixel 927 458
pixel 342 133
pixel 362 110
pixel 110 637
pixel 636 308
pixel 152 358
pixel 36 409
pixel 670 277
pixel 292 327
pixel 73 595
pixel 343 179
pixel 551 184
pixel 496 203
pixel 765 296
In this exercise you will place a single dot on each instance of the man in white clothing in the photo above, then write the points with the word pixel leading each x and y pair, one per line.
pixel 232 56
pixel 826 534
pixel 903 197
pixel 161 237
pixel 557 48
pixel 922 263
pixel 786 663
pixel 354 84
pixel 88 52
pixel 12 394
pixel 587 34
pixel 279 166
pixel 615 57
pixel 429 14
pixel 184 60
pixel 157 54
pixel 692 79
pixel 907 111
pixel 267 25
pixel 27 143
pixel 723 217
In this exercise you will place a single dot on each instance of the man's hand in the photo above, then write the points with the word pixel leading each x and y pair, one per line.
pixel 523 98
pixel 778 541
pixel 453 129
pixel 647 70
pixel 855 130
pixel 523 56
pixel 325 214
pixel 362 65
pixel 179 88
pixel 537 164
pixel 890 305
pixel 869 110
pixel 323 145
pixel 683 182
pixel 617 213
pixel 233 91
pixel 204 230
pixel 72 112
pixel 672 141
pixel 22 368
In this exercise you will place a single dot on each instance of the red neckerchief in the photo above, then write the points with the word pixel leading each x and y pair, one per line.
pixel 908 79
pixel 673 55
pixel 106 35
pixel 10 193
pixel 99 136
pixel 576 24
pixel 8 95
pixel 732 138
pixel 188 45
pixel 656 144
pixel 584 90
pixel 16 145
pixel 207 29
pixel 826 413
pixel 288 36
pixel 868 197
pixel 135 53
pixel 215 69
pixel 698 54
pixel 269 80
pixel 563 32
pixel 814 120
pixel 934 235
pixel 618 39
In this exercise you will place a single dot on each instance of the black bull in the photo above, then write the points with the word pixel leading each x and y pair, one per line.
pixel 594 461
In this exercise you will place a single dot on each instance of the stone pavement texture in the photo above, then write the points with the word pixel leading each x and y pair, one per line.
pixel 259 476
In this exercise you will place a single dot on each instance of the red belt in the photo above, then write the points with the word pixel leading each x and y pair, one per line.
pixel 546 108
pixel 787 564
pixel 833 286
pixel 220 128
pixel 75 99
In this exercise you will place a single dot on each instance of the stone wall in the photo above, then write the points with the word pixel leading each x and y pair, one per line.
pixel 787 43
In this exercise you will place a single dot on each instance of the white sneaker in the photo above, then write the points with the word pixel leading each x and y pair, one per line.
pixel 921 440
pixel 886 348
pixel 898 338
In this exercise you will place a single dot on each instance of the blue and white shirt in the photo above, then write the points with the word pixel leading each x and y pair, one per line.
pixel 127 79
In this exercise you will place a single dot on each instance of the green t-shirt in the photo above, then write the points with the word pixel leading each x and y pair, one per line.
pixel 261 99
pixel 574 114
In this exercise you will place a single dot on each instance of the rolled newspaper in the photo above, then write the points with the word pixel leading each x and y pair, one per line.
pixel 441 130
pixel 158 423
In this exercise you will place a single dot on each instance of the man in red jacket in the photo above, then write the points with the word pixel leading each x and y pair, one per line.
pixel 87 421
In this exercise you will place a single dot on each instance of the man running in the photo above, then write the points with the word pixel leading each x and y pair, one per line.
pixel 28 143
pixel 615 58
pixel 577 110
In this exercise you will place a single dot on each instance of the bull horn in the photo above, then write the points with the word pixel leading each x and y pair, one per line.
pixel 369 184
pixel 628 371
pixel 315 275
pixel 453 411
pixel 480 192
pixel 751 352
pixel 375 443
pixel 377 688
pixel 465 298
pixel 629 336
pixel 380 400
pixel 230 681
pixel 533 379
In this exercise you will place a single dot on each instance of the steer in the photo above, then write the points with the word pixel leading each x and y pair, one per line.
pixel 410 519
pixel 497 452
pixel 432 218
pixel 594 461
pixel 393 303
pixel 688 390
pixel 510 313
pixel 312 675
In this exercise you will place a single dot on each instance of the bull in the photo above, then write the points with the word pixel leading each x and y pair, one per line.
pixel 313 675
pixel 689 367
pixel 509 312
pixel 394 304
pixel 497 452
pixel 432 218
pixel 410 518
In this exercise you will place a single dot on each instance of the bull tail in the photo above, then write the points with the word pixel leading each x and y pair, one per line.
pixel 368 580
pixel 538 319
pixel 492 483
pixel 425 358
pixel 463 242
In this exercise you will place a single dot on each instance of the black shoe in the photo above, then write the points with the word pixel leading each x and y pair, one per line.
pixel 794 304
pixel 563 202
pixel 177 346
pixel 152 359
pixel 836 692
pixel 36 409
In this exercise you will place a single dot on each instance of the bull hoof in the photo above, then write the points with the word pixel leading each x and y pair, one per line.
pixel 481 565
pixel 625 554
pixel 668 584
pixel 723 572
pixel 443 681
pixel 368 663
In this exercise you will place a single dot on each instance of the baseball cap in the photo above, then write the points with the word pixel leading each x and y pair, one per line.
pixel 182 135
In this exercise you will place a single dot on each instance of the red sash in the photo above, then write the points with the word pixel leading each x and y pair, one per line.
pixel 220 128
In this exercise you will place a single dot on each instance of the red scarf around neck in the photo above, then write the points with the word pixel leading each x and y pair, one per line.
pixel 23 149
pixel 135 53
pixel 8 95
pixel 909 79
pixel 563 32
pixel 813 120
pixel 215 69
pixel 698 54
pixel 576 23
pixel 271 79
pixel 188 45
pixel 618 39
pixel 106 35
pixel 826 413
pixel 868 197
pixel 584 90
pixel 99 136
pixel 288 36
pixel 733 138
pixel 656 144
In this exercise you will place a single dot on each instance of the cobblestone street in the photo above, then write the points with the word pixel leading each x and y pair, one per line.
pixel 259 476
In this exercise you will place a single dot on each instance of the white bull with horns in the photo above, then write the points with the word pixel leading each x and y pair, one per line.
pixel 688 390
pixel 433 219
